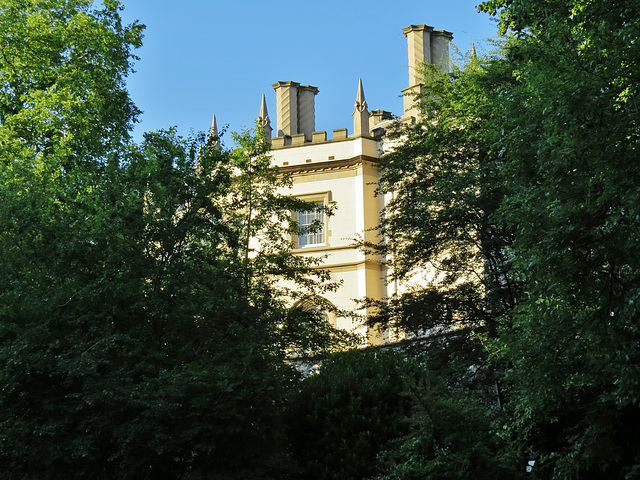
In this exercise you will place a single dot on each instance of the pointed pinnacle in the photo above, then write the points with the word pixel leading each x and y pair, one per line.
pixel 473 51
pixel 263 109
pixel 214 128
pixel 213 133
pixel 360 97
pixel 361 103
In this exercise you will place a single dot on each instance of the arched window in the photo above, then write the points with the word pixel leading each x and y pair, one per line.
pixel 318 305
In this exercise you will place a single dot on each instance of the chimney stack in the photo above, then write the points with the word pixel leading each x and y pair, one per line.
pixel 286 108
pixel 295 109
pixel 419 49
pixel 440 40
pixel 425 45
pixel 307 110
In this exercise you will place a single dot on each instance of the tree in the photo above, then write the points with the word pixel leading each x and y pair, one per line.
pixel 141 334
pixel 569 140
pixel 63 66
pixel 145 342
pixel 444 188
pixel 533 156
pixel 387 415
pixel 445 179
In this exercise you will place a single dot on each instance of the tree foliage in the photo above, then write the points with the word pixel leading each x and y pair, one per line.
pixel 570 143
pixel 344 415
pixel 63 65
pixel 530 154
pixel 442 245
pixel 384 414
pixel 130 345
pixel 142 334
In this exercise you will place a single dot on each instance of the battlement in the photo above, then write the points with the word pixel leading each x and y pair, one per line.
pixel 324 152
pixel 377 120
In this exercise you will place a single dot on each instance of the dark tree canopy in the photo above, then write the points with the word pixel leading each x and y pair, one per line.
pixel 142 334
pixel 570 142
pixel 519 188
pixel 384 414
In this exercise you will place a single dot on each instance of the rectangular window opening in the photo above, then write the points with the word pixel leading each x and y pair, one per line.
pixel 311 223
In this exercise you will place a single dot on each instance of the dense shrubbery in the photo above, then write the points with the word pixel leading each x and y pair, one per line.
pixel 384 414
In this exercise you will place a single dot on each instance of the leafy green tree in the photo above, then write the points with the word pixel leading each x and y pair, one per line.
pixel 140 341
pixel 451 436
pixel 444 178
pixel 128 345
pixel 384 414
pixel 542 139
pixel 441 243
pixel 62 72
pixel 569 141
pixel 141 334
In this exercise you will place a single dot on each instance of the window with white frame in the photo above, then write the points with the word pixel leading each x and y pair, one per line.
pixel 312 226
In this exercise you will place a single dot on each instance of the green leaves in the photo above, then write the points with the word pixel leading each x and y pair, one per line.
pixel 524 167
pixel 445 187
pixel 62 66
pixel 384 414
pixel 141 331
pixel 568 148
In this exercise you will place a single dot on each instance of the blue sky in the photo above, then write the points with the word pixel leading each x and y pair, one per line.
pixel 201 57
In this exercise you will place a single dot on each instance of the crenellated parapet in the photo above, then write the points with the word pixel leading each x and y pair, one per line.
pixel 339 135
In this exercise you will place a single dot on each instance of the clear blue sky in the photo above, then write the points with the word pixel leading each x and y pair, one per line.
pixel 205 57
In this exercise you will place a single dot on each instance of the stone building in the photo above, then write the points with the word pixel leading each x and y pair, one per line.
pixel 340 170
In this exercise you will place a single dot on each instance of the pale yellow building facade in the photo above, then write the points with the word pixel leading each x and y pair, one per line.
pixel 340 170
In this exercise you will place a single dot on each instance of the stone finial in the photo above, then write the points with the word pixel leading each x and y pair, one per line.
pixel 214 139
pixel 264 122
pixel 360 114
